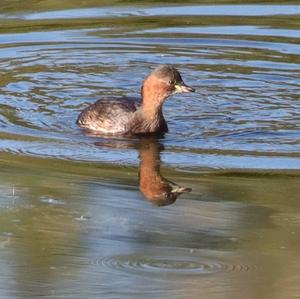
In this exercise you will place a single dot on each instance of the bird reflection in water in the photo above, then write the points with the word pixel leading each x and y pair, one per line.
pixel 152 184
pixel 155 188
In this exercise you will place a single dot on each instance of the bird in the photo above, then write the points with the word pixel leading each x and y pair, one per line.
pixel 127 116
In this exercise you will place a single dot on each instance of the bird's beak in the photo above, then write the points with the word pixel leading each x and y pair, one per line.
pixel 182 87
pixel 179 189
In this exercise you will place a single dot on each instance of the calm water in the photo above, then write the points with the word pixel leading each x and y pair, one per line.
pixel 88 216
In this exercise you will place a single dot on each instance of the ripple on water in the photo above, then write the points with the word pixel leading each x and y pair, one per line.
pixel 174 265
pixel 250 74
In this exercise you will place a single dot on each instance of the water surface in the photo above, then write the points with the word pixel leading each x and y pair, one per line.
pixel 77 220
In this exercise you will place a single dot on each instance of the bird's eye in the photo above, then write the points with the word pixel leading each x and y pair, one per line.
pixel 172 82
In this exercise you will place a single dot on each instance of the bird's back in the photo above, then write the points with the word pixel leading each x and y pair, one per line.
pixel 108 115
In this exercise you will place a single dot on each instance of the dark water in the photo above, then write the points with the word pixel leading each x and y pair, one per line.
pixel 85 216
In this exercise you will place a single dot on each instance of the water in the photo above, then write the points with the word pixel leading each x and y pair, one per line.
pixel 210 210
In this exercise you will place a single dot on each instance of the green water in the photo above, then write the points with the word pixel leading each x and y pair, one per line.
pixel 92 217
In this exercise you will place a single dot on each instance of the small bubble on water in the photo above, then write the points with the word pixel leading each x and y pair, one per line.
pixel 7 234
pixel 51 201
pixel 16 220
pixel 82 218
pixel 233 239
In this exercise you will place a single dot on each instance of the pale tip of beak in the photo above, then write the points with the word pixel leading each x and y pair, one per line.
pixel 179 189
pixel 184 88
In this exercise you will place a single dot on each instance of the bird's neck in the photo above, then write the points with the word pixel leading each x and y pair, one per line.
pixel 152 103
pixel 149 117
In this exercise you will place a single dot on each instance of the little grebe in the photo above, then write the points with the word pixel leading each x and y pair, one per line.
pixel 130 116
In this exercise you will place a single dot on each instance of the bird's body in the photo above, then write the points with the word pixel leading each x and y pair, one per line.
pixel 109 115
